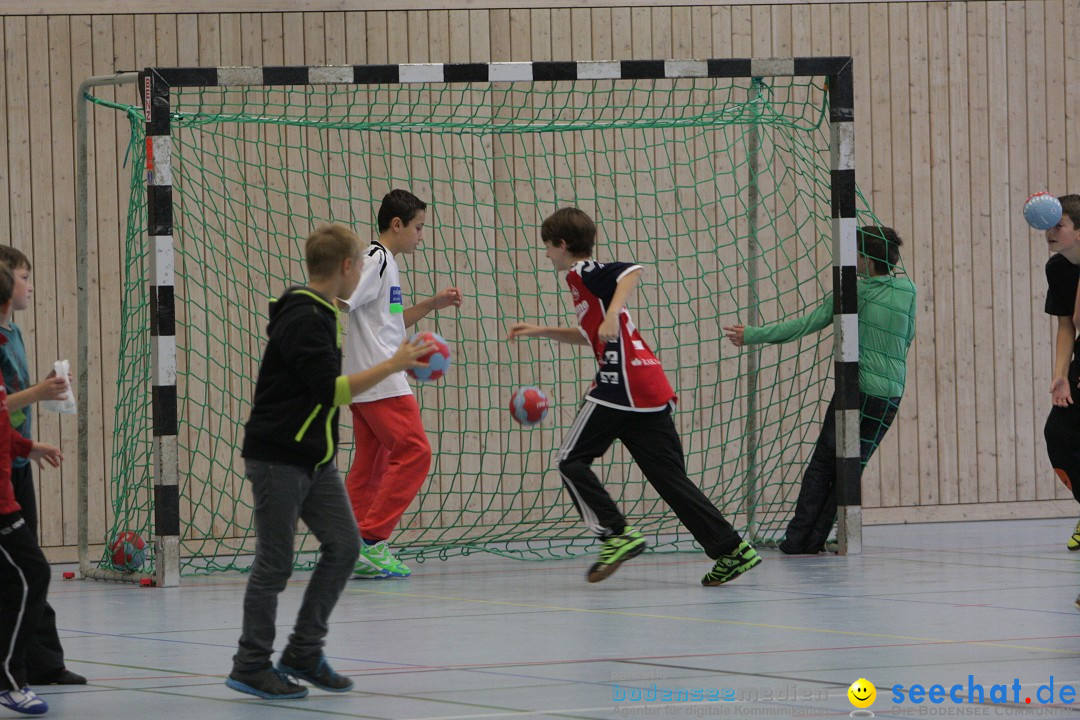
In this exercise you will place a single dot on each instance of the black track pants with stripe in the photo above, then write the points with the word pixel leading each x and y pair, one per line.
pixel 1062 434
pixel 44 654
pixel 24 584
pixel 655 446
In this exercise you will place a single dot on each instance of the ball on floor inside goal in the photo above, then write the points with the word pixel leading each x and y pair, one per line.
pixel 128 551
pixel 438 360
pixel 1042 211
pixel 529 405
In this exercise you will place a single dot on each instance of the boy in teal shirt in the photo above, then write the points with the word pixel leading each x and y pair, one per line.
pixel 886 329
pixel 44 654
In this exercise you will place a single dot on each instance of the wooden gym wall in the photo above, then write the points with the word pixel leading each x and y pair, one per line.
pixel 963 109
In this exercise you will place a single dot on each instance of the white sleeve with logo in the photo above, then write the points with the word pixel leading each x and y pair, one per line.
pixel 367 290
pixel 376 325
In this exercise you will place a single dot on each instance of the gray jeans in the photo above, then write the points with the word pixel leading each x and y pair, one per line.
pixel 282 494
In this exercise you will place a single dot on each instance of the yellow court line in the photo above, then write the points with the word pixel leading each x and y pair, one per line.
pixel 653 616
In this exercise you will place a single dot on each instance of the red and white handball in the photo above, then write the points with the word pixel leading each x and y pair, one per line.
pixel 529 405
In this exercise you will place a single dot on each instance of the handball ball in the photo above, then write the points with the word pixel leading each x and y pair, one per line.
pixel 1042 211
pixel 438 360
pixel 128 551
pixel 529 405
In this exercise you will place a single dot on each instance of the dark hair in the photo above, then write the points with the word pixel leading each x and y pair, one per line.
pixel 327 247
pixel 1070 205
pixel 7 283
pixel 572 226
pixel 14 259
pixel 399 204
pixel 881 246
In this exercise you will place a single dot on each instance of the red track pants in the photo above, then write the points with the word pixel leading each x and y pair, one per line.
pixel 390 463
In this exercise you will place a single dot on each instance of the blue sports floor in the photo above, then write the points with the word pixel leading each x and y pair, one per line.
pixel 985 605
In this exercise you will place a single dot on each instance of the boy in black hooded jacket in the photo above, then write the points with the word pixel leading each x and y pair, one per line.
pixel 289 447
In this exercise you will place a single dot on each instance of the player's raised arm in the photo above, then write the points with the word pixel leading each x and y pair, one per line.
pixel 446 298
pixel 569 335
pixel 1060 393
pixel 735 333
pixel 407 356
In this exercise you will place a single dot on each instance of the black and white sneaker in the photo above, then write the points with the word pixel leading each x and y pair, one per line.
pixel 315 671
pixel 269 684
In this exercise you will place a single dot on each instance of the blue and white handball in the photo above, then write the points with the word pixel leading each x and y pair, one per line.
pixel 1042 211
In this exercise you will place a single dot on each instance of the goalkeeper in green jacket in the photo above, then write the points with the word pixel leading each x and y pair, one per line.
pixel 886 329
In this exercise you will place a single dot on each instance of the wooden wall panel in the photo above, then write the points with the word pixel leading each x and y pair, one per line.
pixel 62 138
pixel 917 420
pixel 901 450
pixel 1000 260
pixel 1033 96
pixel 106 189
pixel 1020 115
pixel 981 331
pixel 963 109
pixel 945 485
pixel 1053 41
pixel 42 254
pixel 959 180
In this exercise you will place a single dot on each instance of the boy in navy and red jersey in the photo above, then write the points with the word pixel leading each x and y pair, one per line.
pixel 630 400
pixel 24 571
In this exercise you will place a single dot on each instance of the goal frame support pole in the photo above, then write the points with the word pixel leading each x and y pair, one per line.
pixel 82 384
pixel 845 310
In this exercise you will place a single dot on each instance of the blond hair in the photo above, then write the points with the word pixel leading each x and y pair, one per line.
pixel 327 247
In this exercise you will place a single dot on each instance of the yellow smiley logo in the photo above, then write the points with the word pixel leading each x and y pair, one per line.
pixel 862 693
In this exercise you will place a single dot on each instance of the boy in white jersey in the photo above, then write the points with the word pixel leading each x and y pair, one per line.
pixel 630 400
pixel 392 454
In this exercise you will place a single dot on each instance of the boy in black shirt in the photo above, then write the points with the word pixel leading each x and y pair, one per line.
pixel 1063 276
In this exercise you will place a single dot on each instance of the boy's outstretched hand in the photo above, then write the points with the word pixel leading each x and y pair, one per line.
pixel 735 333
pixel 448 297
pixel 49 453
pixel 408 354
pixel 1059 392
pixel 521 329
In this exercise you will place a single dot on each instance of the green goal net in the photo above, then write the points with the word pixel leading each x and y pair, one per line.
pixel 719 187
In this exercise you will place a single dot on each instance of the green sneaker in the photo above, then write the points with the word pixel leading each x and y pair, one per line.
pixel 1074 541
pixel 377 561
pixel 363 571
pixel 617 550
pixel 730 566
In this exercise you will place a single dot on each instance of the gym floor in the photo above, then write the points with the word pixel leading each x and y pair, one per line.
pixel 977 605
